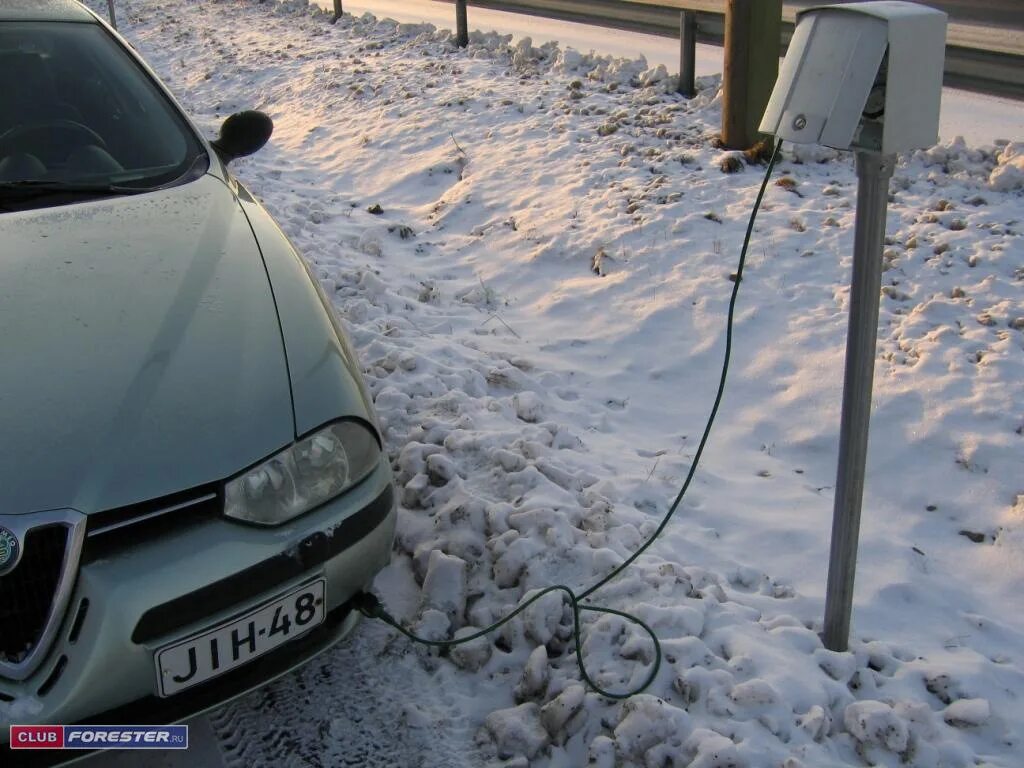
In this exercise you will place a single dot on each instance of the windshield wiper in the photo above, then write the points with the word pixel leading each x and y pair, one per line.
pixel 30 188
pixel 14 195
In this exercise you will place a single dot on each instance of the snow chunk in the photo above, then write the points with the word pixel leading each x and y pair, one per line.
pixel 557 712
pixel 654 75
pixel 1009 172
pixel 816 722
pixel 700 684
pixel 601 753
pixel 874 722
pixel 433 625
pixel 943 687
pixel 1012 151
pixel 528 406
pixel 712 750
pixel 444 587
pixel 838 666
pixel 967 713
pixel 1008 176
pixel 509 566
pixel 647 721
pixel 471 655
pixel 517 731
pixel 568 60
pixel 754 694
pixel 535 675
pixel 390 399
pixel 440 469
pixel 673 621
pixel 542 618
pixel 369 243
pixel 809 153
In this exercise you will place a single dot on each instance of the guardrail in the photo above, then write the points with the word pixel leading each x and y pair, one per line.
pixel 999 73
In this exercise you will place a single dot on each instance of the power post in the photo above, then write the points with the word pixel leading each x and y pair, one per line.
pixel 867 78
pixel 873 174
pixel 753 30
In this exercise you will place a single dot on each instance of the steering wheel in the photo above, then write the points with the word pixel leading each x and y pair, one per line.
pixel 52 139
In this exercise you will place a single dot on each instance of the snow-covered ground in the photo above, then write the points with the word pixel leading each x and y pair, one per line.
pixel 532 248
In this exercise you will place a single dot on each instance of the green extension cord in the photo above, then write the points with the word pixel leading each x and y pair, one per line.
pixel 371 607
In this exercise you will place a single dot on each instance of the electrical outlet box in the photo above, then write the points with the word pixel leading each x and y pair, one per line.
pixel 865 76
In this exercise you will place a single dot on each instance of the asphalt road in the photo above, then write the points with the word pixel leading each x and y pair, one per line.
pixel 984 40
pixel 1002 14
pixel 984 25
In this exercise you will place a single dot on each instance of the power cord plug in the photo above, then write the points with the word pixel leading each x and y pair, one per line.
pixel 369 605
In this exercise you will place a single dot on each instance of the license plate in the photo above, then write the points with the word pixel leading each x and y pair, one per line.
pixel 234 643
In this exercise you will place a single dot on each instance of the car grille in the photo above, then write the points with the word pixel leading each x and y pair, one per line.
pixel 124 528
pixel 27 592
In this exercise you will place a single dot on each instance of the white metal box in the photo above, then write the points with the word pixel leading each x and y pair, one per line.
pixel 865 76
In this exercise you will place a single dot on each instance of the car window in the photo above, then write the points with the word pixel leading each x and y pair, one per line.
pixel 75 108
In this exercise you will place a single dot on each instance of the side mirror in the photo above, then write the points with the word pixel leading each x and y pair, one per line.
pixel 242 134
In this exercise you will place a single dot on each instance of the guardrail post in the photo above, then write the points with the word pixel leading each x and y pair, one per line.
pixel 461 24
pixel 110 12
pixel 752 41
pixel 687 52
pixel 337 11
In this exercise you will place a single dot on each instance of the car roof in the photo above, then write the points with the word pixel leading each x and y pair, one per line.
pixel 44 10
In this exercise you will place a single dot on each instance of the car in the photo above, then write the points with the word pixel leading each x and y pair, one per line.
pixel 193 484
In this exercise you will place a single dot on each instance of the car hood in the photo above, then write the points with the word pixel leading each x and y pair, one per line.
pixel 140 350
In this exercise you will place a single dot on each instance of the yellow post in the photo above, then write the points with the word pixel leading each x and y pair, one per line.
pixel 752 47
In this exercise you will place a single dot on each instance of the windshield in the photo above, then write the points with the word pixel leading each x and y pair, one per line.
pixel 78 116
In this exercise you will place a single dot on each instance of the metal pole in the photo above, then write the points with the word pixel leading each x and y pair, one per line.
pixel 337 11
pixel 110 12
pixel 461 25
pixel 687 52
pixel 873 174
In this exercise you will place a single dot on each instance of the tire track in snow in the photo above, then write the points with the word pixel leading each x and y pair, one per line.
pixel 367 702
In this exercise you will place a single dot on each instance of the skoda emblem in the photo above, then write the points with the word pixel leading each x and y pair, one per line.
pixel 9 546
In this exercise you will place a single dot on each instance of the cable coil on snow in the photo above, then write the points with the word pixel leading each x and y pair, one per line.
pixel 371 607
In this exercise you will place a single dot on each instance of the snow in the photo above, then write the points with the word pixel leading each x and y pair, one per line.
pixel 444 586
pixel 965 713
pixel 532 250
pixel 1009 171
pixel 517 731
pixel 875 722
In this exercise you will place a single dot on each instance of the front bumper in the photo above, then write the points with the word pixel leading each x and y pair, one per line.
pixel 101 668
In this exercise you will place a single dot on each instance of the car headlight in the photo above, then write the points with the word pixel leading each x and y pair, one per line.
pixel 303 476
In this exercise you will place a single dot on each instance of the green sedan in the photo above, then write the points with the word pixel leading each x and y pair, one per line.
pixel 191 475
